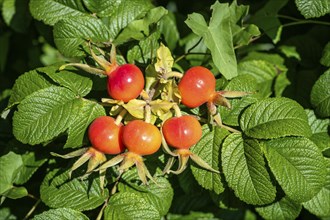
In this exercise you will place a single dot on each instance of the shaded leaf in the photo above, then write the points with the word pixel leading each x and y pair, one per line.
pixel 169 30
pixel 245 171
pixel 297 165
pixel 319 205
pixel 125 13
pixel 319 128
pixel 325 60
pixel 267 19
pixel 16 14
pixel 208 148
pixel 320 95
pixel 10 165
pixel 280 210
pixel 140 29
pixel 87 112
pixel 78 84
pixel 145 50
pixel 31 163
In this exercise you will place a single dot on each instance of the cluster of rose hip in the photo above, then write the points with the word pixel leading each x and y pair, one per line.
pixel 136 138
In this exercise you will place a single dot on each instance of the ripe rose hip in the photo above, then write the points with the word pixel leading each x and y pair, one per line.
pixel 125 83
pixel 197 86
pixel 105 135
pixel 141 138
pixel 182 132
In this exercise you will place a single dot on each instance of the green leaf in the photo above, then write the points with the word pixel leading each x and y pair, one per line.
pixel 208 148
pixel 61 214
pixel 325 60
pixel 16 192
pixel 244 157
pixel 10 165
pixel 51 11
pixel 192 44
pixel 297 165
pixel 267 19
pixel 169 30
pixel 31 163
pixel 59 191
pixel 26 84
pixel 245 83
pixel 290 51
pixel 44 115
pixel 78 84
pixel 281 82
pixel 319 128
pixel 5 212
pixel 222 51
pixel 129 206
pixel 159 196
pixel 87 112
pixel 274 118
pixel 140 29
pixel 246 35
pixel 320 95
pixel 319 205
pixel 125 13
pixel 280 210
pixel 70 34
pixel 263 71
pixel 242 33
pixel 313 8
pixel 102 8
pixel 16 14
pixel 145 48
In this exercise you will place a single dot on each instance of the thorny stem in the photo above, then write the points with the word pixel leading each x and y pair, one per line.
pixel 120 116
pixel 33 207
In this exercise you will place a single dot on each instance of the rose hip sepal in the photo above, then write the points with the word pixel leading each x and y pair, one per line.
pixel 90 154
pixel 140 138
pixel 182 132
